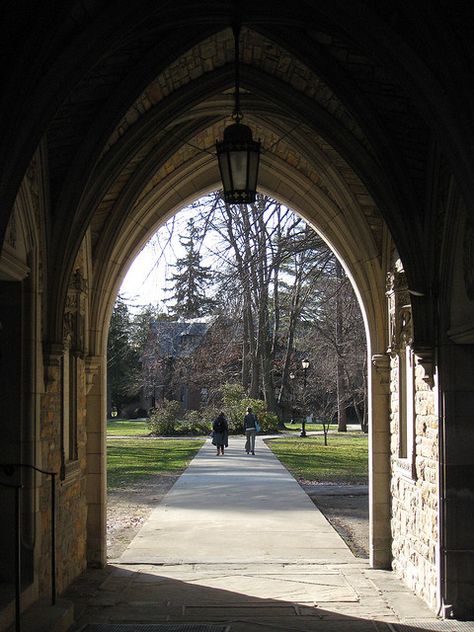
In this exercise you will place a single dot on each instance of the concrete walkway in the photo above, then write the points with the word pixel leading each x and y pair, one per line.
pixel 237 543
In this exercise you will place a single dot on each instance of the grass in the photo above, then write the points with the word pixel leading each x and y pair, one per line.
pixel 344 460
pixel 132 460
pixel 296 427
pixel 126 428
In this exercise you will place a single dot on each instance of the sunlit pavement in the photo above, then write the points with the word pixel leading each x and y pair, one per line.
pixel 237 542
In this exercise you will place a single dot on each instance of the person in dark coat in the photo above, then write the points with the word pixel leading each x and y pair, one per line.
pixel 250 429
pixel 220 433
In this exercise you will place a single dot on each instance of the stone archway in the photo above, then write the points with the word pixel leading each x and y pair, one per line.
pixel 143 177
pixel 368 277
pixel 364 117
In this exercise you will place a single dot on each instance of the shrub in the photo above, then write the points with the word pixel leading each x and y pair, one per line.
pixel 194 423
pixel 236 403
pixel 232 397
pixel 163 419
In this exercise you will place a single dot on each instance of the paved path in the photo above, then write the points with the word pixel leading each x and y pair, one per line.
pixel 236 508
pixel 237 543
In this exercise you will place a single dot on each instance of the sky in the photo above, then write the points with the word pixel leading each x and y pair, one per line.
pixel 146 279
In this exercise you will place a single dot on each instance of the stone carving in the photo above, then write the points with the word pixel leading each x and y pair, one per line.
pixel 74 314
pixel 406 328
pixel 79 283
pixel 381 362
pixel 399 311
pixel 424 357
pixel 68 326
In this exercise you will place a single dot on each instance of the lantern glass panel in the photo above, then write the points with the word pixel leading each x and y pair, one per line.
pixel 225 170
pixel 238 166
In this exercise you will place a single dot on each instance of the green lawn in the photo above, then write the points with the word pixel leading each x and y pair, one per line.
pixel 129 460
pixel 296 427
pixel 126 428
pixel 344 460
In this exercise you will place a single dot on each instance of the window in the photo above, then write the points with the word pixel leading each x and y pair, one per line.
pixel 406 376
pixel 69 406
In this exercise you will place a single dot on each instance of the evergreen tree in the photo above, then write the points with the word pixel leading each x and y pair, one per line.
pixel 191 279
pixel 122 358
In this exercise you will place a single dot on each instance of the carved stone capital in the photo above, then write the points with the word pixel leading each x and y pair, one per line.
pixel 381 362
pixel 425 358
pixel 93 366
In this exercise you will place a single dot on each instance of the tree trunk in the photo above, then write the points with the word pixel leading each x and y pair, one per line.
pixel 292 323
pixel 262 282
pixel 246 362
pixel 250 372
pixel 341 382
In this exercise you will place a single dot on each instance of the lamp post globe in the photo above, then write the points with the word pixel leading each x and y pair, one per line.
pixel 305 366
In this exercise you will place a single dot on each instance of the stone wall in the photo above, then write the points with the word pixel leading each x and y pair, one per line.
pixel 71 513
pixel 50 434
pixel 414 488
pixel 63 441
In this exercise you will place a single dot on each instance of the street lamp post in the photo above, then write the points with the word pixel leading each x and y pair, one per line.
pixel 292 377
pixel 305 366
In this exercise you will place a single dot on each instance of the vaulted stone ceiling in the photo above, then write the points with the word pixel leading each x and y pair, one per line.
pixel 174 122
pixel 349 100
pixel 166 145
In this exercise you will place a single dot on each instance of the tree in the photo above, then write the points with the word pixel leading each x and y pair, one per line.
pixel 335 334
pixel 281 297
pixel 191 279
pixel 123 365
pixel 341 377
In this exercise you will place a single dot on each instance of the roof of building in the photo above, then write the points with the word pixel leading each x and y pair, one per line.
pixel 180 338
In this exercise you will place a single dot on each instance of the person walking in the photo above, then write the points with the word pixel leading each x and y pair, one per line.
pixel 220 433
pixel 250 429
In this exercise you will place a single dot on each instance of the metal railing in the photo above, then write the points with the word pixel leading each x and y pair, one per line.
pixel 9 469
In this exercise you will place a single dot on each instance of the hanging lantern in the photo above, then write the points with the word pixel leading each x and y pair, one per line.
pixel 238 154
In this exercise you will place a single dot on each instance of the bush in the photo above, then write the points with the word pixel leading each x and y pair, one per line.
pixel 194 423
pixel 232 397
pixel 236 403
pixel 163 419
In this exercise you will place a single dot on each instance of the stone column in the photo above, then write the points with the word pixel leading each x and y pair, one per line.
pixel 379 462
pixel 96 464
pixel 457 479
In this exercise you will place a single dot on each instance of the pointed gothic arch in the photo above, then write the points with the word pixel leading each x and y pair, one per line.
pixel 365 120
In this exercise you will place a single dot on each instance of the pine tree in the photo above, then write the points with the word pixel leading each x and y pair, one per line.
pixel 191 279
pixel 123 359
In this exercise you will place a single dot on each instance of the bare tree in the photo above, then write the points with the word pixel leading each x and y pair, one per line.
pixel 284 295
